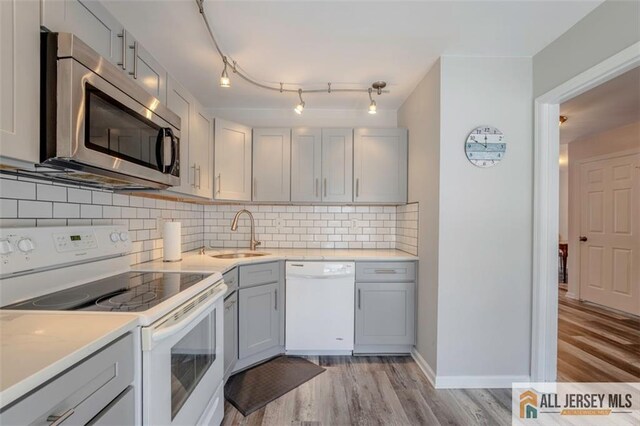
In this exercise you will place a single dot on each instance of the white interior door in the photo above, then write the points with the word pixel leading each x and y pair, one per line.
pixel 610 238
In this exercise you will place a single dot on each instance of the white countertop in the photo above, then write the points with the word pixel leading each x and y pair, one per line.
pixel 37 346
pixel 195 262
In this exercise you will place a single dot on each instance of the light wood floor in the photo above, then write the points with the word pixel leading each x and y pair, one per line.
pixel 596 344
pixel 377 391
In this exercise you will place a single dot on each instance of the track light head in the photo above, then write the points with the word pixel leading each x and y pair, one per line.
pixel 224 78
pixel 300 107
pixel 372 106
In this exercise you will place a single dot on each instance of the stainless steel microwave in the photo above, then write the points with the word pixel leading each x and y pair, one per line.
pixel 100 127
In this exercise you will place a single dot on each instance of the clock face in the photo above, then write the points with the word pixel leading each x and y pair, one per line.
pixel 485 146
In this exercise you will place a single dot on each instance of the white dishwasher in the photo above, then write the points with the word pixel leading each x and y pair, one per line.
pixel 320 308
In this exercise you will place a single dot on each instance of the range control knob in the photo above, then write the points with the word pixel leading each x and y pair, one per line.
pixel 124 236
pixel 6 247
pixel 26 245
pixel 115 237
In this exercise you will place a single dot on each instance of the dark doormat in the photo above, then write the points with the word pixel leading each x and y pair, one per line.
pixel 252 389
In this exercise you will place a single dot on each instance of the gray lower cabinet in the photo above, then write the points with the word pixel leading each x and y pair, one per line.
pixel 230 333
pixel 121 411
pixel 385 316
pixel 259 319
pixel 87 392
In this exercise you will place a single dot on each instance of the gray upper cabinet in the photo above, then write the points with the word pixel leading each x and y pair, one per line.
pixel 271 164
pixel 385 313
pixel 90 21
pixel 380 166
pixel 201 152
pixel 232 169
pixel 19 80
pixel 259 319
pixel 180 101
pixel 145 70
pixel 337 165
pixel 306 164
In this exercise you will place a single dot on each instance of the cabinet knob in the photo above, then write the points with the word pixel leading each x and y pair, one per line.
pixel 583 239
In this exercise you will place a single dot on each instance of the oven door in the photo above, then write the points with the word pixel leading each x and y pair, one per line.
pixel 183 362
pixel 100 126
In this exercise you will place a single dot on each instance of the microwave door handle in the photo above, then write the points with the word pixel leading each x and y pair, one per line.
pixel 174 152
pixel 160 150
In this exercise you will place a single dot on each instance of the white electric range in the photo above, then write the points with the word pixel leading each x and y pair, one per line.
pixel 181 314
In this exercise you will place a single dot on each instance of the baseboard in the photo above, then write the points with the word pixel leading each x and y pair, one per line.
pixel 424 366
pixel 571 295
pixel 295 352
pixel 477 382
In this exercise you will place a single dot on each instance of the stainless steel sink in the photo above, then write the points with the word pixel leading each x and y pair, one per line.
pixel 237 255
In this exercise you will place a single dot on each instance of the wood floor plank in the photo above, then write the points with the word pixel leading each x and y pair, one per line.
pixel 596 343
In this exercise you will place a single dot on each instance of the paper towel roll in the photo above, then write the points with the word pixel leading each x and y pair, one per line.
pixel 171 237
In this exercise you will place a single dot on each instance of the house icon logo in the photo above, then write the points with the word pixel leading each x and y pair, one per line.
pixel 528 405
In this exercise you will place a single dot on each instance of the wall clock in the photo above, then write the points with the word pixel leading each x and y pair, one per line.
pixel 485 146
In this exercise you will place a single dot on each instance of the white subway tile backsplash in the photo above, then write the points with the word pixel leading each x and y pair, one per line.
pixel 34 209
pixel 50 192
pixel 17 189
pixel 31 203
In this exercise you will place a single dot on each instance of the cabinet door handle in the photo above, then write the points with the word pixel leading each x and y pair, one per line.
pixel 230 305
pixel 219 182
pixel 276 304
pixel 58 420
pixel 357 187
pixel 193 184
pixel 199 176
pixel 386 271
pixel 134 73
pixel 255 187
pixel 325 187
pixel 359 298
pixel 123 60
pixel 317 181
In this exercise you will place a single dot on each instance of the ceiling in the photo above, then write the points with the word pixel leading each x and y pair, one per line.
pixel 605 107
pixel 349 43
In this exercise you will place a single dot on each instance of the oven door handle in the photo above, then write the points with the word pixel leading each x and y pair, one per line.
pixel 152 335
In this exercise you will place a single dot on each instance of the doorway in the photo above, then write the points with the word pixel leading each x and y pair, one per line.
pixel 546 207
pixel 599 305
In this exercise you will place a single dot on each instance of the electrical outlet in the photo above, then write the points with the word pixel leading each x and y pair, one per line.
pixel 354 224
pixel 279 223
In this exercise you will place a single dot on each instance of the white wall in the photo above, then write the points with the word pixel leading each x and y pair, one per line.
pixel 625 138
pixel 309 118
pixel 610 28
pixel 484 293
pixel 563 229
pixel 420 114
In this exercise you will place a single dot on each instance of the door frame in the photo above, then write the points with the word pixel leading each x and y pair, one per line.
pixel 578 214
pixel 546 202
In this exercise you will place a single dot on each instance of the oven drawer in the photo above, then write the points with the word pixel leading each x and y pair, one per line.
pixel 385 271
pixel 80 393
pixel 262 273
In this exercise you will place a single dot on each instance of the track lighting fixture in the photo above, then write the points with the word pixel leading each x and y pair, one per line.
pixel 372 106
pixel 300 107
pixel 224 78
pixel 282 87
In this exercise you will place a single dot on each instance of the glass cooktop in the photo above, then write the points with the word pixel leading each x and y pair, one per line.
pixel 128 292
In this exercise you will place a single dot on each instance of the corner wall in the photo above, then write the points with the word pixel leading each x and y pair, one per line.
pixel 485 260
pixel 420 114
